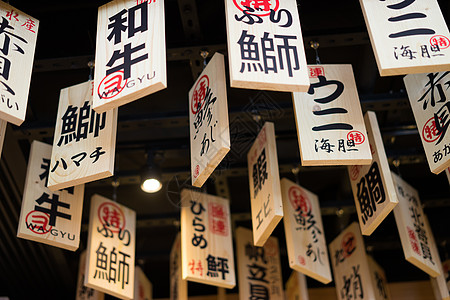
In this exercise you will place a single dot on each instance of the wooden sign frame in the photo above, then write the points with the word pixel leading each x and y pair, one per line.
pixel 265 194
pixel 209 137
pixel 84 293
pixel 376 203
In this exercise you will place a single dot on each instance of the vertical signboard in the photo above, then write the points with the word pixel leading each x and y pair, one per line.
pixel 178 286
pixel 373 190
pixel 130 56
pixel 259 268
pixel 265 45
pixel 111 248
pixel 350 265
pixel 427 95
pixel 265 189
pixel 83 292
pixel 84 141
pixel 143 288
pixel 19 32
pixel 207 255
pixel 330 124
pixel 3 125
pixel 296 288
pixel 407 36
pixel 412 228
pixel 52 218
pixel 208 119
pixel 305 238
pixel 379 280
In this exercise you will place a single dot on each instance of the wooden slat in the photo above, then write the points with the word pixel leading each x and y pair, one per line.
pixel 111 248
pixel 259 268
pixel 143 47
pixel 208 120
pixel 252 69
pixel 17 62
pixel 429 105
pixel 399 33
pixel 331 131
pixel 83 292
pixel 178 286
pixel 373 190
pixel 206 239
pixel 379 280
pixel 265 189
pixel 85 153
pixel 414 232
pixel 52 218
pixel 305 237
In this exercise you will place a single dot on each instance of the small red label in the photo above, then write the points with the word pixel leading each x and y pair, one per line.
pixel 348 244
pixel 413 240
pixel 112 85
pixel 356 136
pixel 299 200
pixel 218 219
pixel 430 132
pixel 196 171
pixel 354 172
pixel 442 41
pixel 199 94
pixel 111 217
pixel 38 222
pixel 301 260
pixel 257 7
pixel 315 72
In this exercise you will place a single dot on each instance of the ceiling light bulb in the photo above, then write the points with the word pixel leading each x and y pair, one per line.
pixel 151 185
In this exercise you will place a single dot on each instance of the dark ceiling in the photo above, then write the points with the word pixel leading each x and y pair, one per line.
pixel 159 122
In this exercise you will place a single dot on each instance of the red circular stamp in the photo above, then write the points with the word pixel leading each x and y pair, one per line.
pixel 258 8
pixel 38 222
pixel 196 171
pixel 111 85
pixel 356 136
pixel 348 244
pixel 299 200
pixel 354 172
pixel 199 94
pixel 271 248
pixel 442 41
pixel 430 132
pixel 111 217
pixel 301 260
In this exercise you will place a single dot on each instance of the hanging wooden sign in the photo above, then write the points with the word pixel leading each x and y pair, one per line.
pixel 143 289
pixel 373 190
pixel 427 95
pixel 259 268
pixel 52 218
pixel 446 273
pixel 265 189
pixel 3 125
pixel 84 141
pixel 350 265
pixel 407 37
pixel 265 46
pixel 111 248
pixel 305 238
pixel 414 233
pixel 130 57
pixel 19 42
pixel 330 124
pixel 296 287
pixel 208 119
pixel 178 286
pixel 207 255
pixel 379 280
pixel 83 292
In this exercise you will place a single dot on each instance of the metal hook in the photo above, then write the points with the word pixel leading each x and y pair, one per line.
pixel 91 65
pixel 204 54
pixel 315 45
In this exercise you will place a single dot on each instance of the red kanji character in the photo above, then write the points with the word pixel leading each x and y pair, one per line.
pixel 217 211
pixel 192 266
pixel 219 227
pixel 261 5
pixel 29 24
pixel 12 14
pixel 199 268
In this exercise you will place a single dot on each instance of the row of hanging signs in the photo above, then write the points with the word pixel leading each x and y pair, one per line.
pixel 265 52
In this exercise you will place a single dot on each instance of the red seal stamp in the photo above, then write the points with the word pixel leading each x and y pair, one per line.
pixel 196 171
pixel 257 7
pixel 301 260
pixel 348 244
pixel 442 41
pixel 315 72
pixel 354 172
pixel 356 136
pixel 111 217
pixel 111 85
pixel 218 219
pixel 271 248
pixel 430 132
pixel 299 201
pixel 199 94
pixel 38 222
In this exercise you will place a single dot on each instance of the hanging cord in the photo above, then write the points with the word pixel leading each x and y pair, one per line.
pixel 115 184
pixel 296 171
pixel 91 65
pixel 315 45
pixel 204 54
pixel 396 163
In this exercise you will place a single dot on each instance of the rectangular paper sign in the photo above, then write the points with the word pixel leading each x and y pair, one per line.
pixel 265 46
pixel 52 218
pixel 330 124
pixel 296 287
